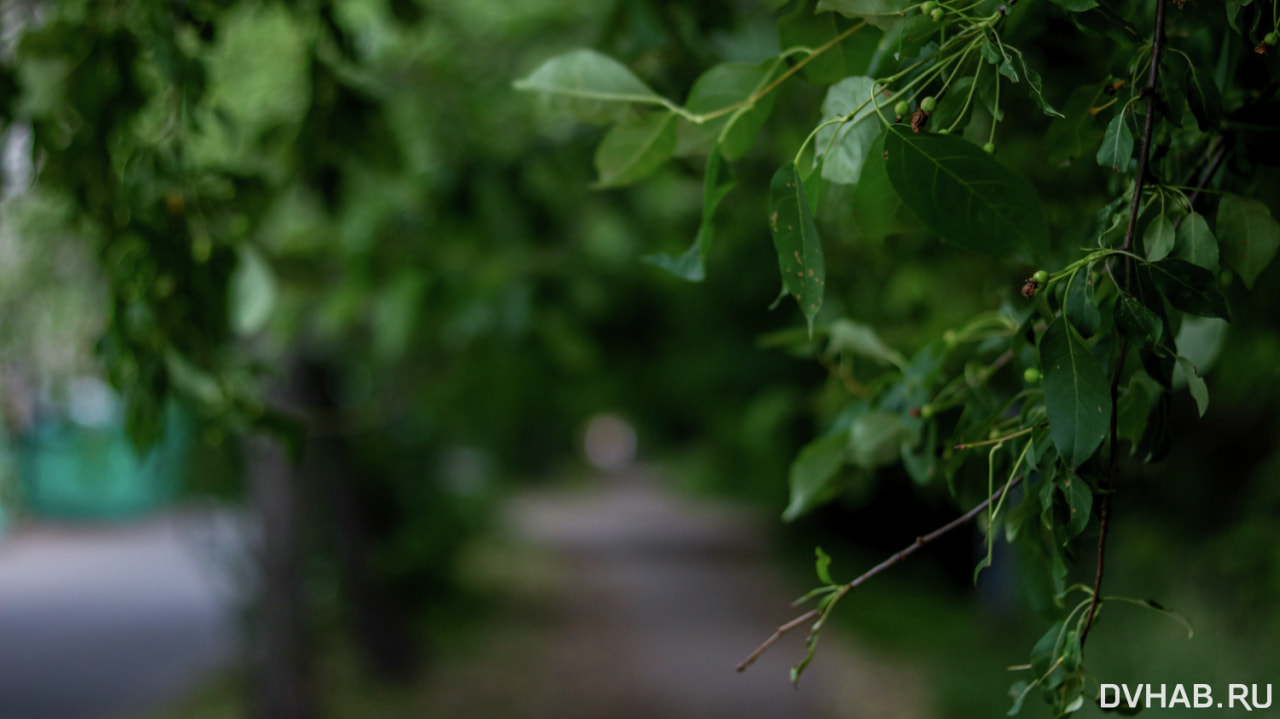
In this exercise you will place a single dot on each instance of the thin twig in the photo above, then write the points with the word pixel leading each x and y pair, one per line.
pixel 1209 171
pixel 892 560
pixel 997 440
pixel 1113 468
pixel 1204 171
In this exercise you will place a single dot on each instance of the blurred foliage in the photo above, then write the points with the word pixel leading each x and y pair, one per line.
pixel 222 188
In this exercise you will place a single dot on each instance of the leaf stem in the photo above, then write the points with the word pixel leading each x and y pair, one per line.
pixel 892 560
pixel 755 97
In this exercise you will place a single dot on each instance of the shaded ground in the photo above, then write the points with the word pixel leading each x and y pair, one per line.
pixel 637 604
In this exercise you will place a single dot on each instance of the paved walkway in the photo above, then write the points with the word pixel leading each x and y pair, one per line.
pixel 97 622
pixel 654 602
pixel 618 602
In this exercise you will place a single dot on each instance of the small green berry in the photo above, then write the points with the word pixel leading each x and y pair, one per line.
pixel 943 131
pixel 928 104
pixel 1031 375
pixel 989 148
pixel 1040 277
pixel 1271 38
pixel 902 108
pixel 935 14
pixel 926 411
pixel 927 7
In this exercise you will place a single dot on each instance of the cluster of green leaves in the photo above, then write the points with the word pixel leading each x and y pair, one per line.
pixel 1063 384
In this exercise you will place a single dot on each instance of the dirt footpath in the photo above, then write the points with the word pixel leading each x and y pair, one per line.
pixel 631 603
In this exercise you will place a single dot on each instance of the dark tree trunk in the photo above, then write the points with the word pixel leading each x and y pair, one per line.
pixel 375 619
pixel 280 682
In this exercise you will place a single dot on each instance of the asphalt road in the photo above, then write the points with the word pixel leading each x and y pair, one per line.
pixel 102 622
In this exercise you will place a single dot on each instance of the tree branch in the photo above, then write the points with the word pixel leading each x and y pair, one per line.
pixel 892 560
pixel 1113 468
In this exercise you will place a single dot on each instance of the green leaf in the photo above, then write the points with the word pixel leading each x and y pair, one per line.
pixel 1202 96
pixel 1105 21
pixel 1046 649
pixel 1117 144
pixel 1170 99
pixel 1017 517
pixel 252 293
pixel 1076 395
pixel 795 237
pixel 814 473
pixel 806 28
pixel 724 86
pixel 1071 138
pixel 1081 305
pixel 1018 692
pixel 921 461
pixel 864 8
pixel 1155 606
pixel 847 336
pixel 965 195
pixel 1195 383
pixel 843 148
pixel 1155 442
pixel 1036 86
pixel 1189 288
pixel 875 439
pixel 1072 657
pixel 1200 339
pixel 1137 322
pixel 1195 243
pixel 915 32
pixel 630 152
pixel 1007 69
pixel 1135 405
pixel 691 264
pixel 822 566
pixel 875 203
pixel 1079 498
pixel 994 53
pixel 1076 5
pixel 591 86
pixel 193 381
pixel 396 311
pixel 1159 238
pixel 1248 234
pixel 953 110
